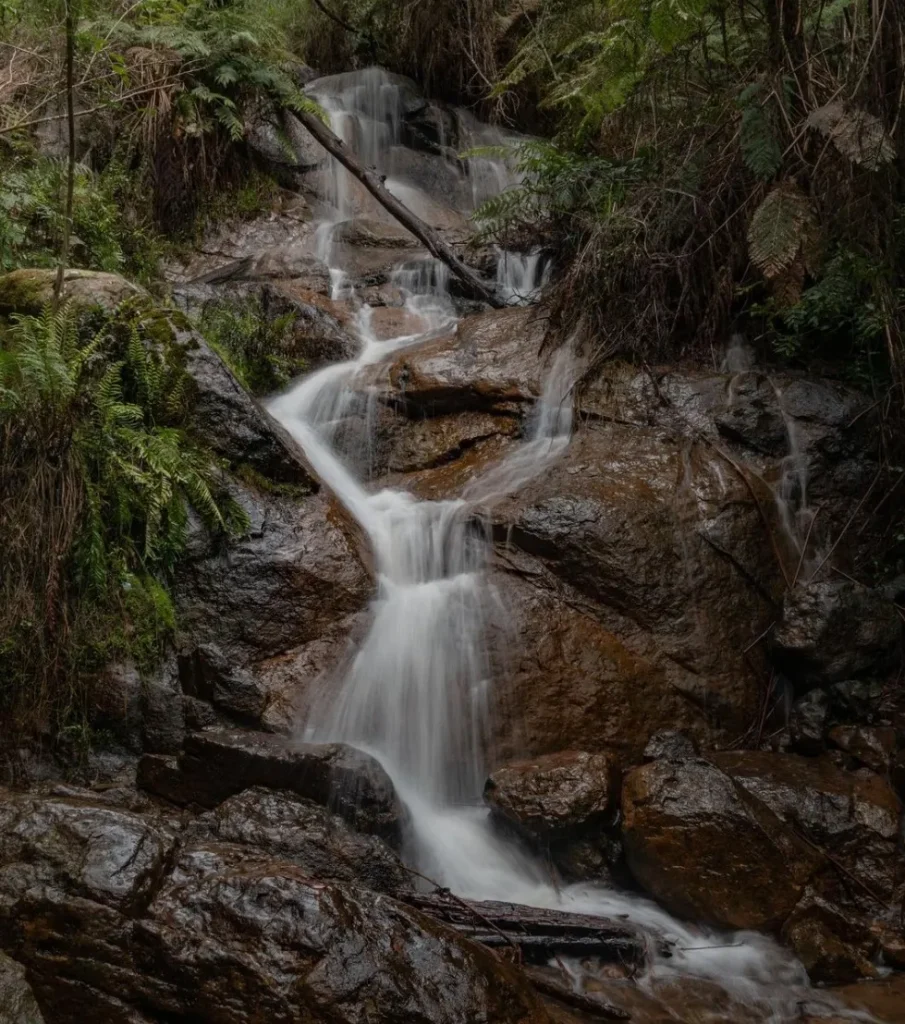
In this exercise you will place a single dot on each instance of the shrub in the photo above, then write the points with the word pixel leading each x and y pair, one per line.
pixel 97 477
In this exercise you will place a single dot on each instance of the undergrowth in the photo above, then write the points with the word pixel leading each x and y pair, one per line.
pixel 97 477
pixel 258 349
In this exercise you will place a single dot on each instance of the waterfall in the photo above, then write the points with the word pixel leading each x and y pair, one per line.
pixel 417 693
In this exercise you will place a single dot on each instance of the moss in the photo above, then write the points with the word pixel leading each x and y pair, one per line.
pixel 257 481
pixel 25 291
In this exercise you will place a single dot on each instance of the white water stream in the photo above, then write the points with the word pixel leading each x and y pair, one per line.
pixel 418 692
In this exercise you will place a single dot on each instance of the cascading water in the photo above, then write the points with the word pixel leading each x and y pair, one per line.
pixel 418 692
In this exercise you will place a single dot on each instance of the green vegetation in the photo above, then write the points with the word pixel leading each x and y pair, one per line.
pixel 258 349
pixel 718 167
pixel 97 477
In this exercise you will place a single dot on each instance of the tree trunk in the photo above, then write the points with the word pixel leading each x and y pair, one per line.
pixel 475 285
pixel 70 165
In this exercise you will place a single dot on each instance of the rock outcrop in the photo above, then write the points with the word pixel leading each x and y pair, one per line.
pixel 112 925
pixel 761 840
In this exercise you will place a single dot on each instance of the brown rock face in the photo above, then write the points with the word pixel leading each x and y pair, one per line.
pixel 706 852
pixel 756 839
pixel 110 931
pixel 555 793
pixel 492 359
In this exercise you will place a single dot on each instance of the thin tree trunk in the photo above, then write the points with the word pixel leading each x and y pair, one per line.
pixel 70 167
pixel 476 286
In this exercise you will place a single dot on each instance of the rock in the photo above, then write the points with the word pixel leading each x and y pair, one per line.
pixel 229 421
pixel 107 931
pixel 858 699
pixel 116 703
pixel 753 416
pixel 320 953
pixel 283 826
pixel 17 1001
pixel 835 630
pixel 29 291
pixel 102 854
pixel 434 128
pixel 852 817
pixel 704 850
pixel 882 1000
pixel 565 804
pixel 491 359
pixel 671 745
pixel 217 765
pixel 285 585
pixel 872 746
pixel 808 722
pixel 554 793
pixel 317 337
pixel 163 711
pixel 834 947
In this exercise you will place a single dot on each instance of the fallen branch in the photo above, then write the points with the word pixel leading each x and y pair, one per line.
pixel 336 18
pixel 475 285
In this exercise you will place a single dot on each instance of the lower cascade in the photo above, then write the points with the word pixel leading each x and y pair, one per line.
pixel 417 693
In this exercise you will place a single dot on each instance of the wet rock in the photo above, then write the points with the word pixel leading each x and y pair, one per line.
pixel 286 584
pixel 217 765
pixel 882 999
pixel 233 424
pixel 671 745
pixel 102 854
pixel 29 291
pixel 433 128
pixel 558 792
pixel 696 843
pixel 17 1001
pixel 852 817
pixel 808 721
pixel 320 952
pixel 230 937
pixel 832 631
pixel 565 805
pixel 284 826
pixel 872 746
pixel 491 359
pixel 753 415
pixel 317 336
pixel 666 550
pixel 116 703
pixel 861 700
pixel 162 709
pixel 835 948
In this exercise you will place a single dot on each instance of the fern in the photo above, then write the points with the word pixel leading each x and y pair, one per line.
pixel 760 147
pixel 777 228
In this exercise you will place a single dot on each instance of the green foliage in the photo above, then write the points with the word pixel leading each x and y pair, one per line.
pixel 98 477
pixel 257 348
pixel 31 220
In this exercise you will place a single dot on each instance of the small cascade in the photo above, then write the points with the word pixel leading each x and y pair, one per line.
pixel 520 277
pixel 417 693
pixel 796 517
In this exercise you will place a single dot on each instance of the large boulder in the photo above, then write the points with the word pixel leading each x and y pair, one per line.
pixel 564 803
pixel 216 765
pixel 707 853
pixel 29 291
pixel 113 926
pixel 280 825
pixel 756 839
pixel 282 587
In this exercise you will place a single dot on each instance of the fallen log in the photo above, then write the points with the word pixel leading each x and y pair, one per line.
pixel 474 284
pixel 539 934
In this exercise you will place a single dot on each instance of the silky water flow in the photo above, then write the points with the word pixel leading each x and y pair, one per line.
pixel 417 692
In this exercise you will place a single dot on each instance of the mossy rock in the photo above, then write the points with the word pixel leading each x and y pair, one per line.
pixel 29 290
